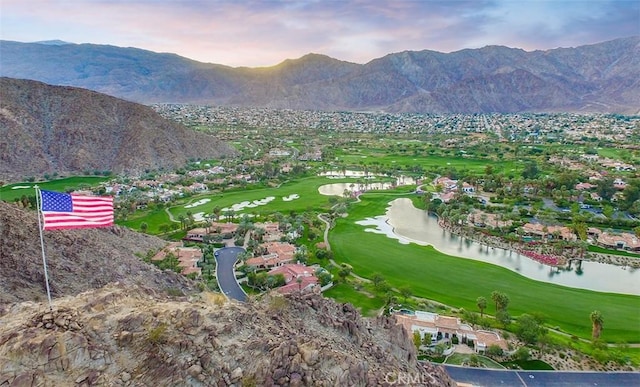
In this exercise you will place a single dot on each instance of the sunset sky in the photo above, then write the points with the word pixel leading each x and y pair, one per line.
pixel 264 33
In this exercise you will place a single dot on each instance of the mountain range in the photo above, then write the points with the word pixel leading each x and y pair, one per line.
pixel 603 77
pixel 68 130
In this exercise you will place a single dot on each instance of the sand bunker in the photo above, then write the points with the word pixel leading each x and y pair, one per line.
pixel 246 204
pixel 198 203
pixel 291 197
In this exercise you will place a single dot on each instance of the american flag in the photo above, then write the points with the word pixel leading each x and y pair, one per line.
pixel 63 211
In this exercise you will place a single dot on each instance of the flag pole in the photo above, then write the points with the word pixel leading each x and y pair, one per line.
pixel 44 259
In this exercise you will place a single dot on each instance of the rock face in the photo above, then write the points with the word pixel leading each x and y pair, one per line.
pixel 124 335
pixel 77 260
pixel 47 129
pixel 601 77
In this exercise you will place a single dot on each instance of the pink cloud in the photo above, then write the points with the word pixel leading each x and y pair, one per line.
pixel 261 33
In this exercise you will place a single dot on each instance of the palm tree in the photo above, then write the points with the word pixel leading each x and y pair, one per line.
pixel 259 233
pixel 596 323
pixel 501 300
pixel 377 279
pixel 406 292
pixel 481 302
pixel 182 220
pixel 344 273
pixel 217 211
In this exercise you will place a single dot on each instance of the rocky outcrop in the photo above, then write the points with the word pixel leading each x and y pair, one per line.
pixel 77 260
pixel 125 335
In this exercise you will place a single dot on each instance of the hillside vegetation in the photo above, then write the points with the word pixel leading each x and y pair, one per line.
pixel 65 130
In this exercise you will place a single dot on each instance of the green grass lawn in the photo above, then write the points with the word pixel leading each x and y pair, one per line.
pixel 306 188
pixel 369 306
pixel 367 157
pixel 533 365
pixel 459 282
pixel 459 359
pixel 9 192
pixel 598 249
pixel 618 153
pixel 153 219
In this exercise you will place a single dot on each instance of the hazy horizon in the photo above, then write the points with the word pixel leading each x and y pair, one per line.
pixel 265 33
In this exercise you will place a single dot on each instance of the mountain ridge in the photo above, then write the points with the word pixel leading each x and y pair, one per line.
pixel 601 77
pixel 127 335
pixel 62 129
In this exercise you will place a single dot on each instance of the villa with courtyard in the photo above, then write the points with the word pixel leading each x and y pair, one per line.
pixel 278 253
pixel 188 257
pixel 625 240
pixel 297 278
pixel 446 328
pixel 199 234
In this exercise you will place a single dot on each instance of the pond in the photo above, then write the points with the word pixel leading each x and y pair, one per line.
pixel 337 189
pixel 400 180
pixel 408 224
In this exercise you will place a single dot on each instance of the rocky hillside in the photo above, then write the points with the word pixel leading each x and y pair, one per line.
pixel 78 260
pixel 128 336
pixel 603 77
pixel 46 129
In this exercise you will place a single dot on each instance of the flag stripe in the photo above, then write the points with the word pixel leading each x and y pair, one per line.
pixel 63 211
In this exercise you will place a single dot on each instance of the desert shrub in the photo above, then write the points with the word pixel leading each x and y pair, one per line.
pixel 157 335
pixel 278 304
pixel 494 350
pixel 174 292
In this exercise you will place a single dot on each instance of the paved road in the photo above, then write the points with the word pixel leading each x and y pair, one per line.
pixel 225 261
pixel 486 377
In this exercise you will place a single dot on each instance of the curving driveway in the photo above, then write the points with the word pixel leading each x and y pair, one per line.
pixel 488 377
pixel 226 259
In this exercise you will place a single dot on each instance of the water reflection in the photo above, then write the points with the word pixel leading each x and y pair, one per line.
pixel 337 189
pixel 409 224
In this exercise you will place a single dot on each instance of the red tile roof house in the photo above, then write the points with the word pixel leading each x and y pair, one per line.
pixel 294 272
pixel 585 186
pixel 624 240
pixel 278 253
pixel 272 231
pixel 446 197
pixel 223 228
pixel 538 229
pixel 427 323
pixel 188 257
pixel 446 183
pixel 197 234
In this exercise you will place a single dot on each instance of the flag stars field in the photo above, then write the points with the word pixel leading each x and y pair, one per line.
pixel 67 211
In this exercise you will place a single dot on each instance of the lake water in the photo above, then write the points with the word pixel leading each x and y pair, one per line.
pixel 401 180
pixel 337 189
pixel 408 224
